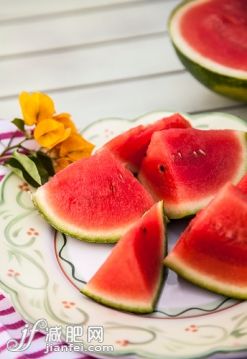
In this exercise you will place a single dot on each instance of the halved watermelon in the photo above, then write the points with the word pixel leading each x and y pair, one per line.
pixel 243 184
pixel 186 167
pixel 131 276
pixel 94 199
pixel 131 146
pixel 212 251
pixel 210 38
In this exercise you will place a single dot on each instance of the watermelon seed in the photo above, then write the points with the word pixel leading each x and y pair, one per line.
pixel 180 154
pixel 144 229
pixel 202 152
pixel 195 153
pixel 112 188
pixel 162 168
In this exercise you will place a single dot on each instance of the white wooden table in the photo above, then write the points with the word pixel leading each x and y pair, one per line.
pixel 97 58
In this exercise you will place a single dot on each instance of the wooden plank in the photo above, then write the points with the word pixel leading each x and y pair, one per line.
pixel 113 62
pixel 14 9
pixel 131 99
pixel 82 29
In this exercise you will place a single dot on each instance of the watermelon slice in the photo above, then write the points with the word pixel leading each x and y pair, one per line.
pixel 131 146
pixel 243 184
pixel 212 251
pixel 94 199
pixel 210 38
pixel 186 167
pixel 131 276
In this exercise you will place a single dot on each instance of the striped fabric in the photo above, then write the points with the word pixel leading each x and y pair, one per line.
pixel 11 322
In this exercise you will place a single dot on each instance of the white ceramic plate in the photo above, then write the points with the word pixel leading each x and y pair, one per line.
pixel 43 272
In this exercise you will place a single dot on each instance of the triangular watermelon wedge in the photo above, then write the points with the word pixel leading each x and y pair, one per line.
pixel 131 146
pixel 95 199
pixel 131 276
pixel 212 251
pixel 187 167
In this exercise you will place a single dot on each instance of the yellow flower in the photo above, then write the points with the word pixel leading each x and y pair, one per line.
pixel 72 149
pixel 75 147
pixel 35 107
pixel 61 163
pixel 49 132
pixel 65 119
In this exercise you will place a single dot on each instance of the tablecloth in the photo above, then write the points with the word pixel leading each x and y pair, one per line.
pixel 11 323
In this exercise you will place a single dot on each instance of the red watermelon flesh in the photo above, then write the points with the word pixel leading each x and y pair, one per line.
pixel 130 278
pixel 94 199
pixel 131 146
pixel 212 251
pixel 186 167
pixel 217 29
pixel 243 184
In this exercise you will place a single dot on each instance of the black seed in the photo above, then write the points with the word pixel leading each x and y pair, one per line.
pixel 144 229
pixel 162 168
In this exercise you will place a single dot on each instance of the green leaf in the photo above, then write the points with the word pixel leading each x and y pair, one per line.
pixel 29 166
pixel 20 171
pixel 44 175
pixel 19 123
pixel 46 162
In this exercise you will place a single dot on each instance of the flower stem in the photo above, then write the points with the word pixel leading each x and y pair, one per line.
pixel 10 148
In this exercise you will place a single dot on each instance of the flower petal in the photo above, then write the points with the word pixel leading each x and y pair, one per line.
pixel 61 163
pixel 65 119
pixel 75 147
pixel 46 107
pixel 29 103
pixel 49 132
pixel 35 107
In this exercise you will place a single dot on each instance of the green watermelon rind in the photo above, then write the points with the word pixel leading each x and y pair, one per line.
pixel 138 308
pixel 222 83
pixel 88 236
pixel 119 306
pixel 177 264
pixel 228 86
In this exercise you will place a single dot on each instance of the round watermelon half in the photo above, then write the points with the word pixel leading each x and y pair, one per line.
pixel 94 199
pixel 131 276
pixel 210 38
pixel 212 251
pixel 131 146
pixel 187 167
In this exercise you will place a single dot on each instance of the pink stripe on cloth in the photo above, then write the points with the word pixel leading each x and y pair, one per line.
pixel 7 311
pixel 1 295
pixel 15 325
pixel 7 135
